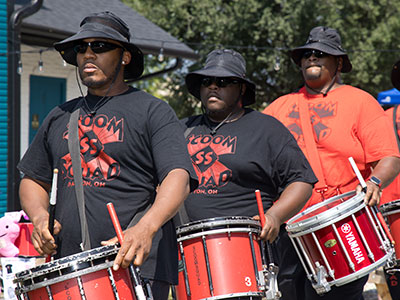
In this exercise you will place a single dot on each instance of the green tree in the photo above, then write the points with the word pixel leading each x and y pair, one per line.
pixel 264 31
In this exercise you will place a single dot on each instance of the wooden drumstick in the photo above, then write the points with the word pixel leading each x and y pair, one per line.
pixel 52 206
pixel 120 235
pixel 260 208
pixel 364 188
pixel 53 201
pixel 262 220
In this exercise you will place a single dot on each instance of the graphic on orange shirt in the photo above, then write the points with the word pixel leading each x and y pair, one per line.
pixel 318 112
pixel 97 166
pixel 205 151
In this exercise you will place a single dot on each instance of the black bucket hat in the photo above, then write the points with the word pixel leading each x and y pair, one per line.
pixel 222 63
pixel 109 26
pixel 324 39
pixel 396 75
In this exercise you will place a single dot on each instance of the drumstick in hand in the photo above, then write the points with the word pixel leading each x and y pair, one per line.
pixel 52 206
pixel 364 188
pixel 260 208
pixel 53 200
pixel 120 235
pixel 262 220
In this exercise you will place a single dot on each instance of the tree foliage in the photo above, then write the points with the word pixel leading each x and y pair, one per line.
pixel 264 31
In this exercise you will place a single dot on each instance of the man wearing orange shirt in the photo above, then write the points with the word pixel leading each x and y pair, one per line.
pixel 343 122
pixel 392 192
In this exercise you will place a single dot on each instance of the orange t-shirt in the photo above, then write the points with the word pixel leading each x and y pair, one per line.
pixel 346 122
pixel 392 192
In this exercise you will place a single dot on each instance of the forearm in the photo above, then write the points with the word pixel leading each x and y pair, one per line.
pixel 170 196
pixel 34 197
pixel 291 201
pixel 386 170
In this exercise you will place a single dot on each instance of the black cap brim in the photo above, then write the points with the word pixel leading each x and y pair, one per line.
pixel 297 54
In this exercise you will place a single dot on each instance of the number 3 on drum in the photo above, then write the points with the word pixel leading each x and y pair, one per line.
pixel 247 281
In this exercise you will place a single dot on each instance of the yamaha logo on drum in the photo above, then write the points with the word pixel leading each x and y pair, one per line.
pixel 352 242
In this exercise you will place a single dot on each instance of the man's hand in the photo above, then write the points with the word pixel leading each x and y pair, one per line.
pixel 42 240
pixel 271 227
pixel 135 247
pixel 373 193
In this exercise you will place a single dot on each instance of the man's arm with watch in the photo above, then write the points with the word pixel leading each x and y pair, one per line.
pixel 383 173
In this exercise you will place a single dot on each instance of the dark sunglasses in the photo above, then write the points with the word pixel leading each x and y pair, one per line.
pixel 96 46
pixel 317 53
pixel 219 81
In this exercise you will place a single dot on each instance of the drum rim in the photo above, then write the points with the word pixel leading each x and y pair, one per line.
pixel 217 221
pixel 293 226
pixel 47 282
pixel 386 208
pixel 232 295
pixel 194 235
pixel 68 262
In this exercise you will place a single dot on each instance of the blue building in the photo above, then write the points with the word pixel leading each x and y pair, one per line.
pixel 3 105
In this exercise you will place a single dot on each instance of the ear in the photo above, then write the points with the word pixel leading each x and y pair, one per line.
pixel 244 87
pixel 340 64
pixel 126 58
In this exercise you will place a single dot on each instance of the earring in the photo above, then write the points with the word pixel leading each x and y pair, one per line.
pixel 123 62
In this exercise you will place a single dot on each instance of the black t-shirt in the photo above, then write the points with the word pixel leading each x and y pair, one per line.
pixel 254 152
pixel 127 148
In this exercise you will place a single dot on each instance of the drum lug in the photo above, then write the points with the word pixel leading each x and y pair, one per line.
pixel 321 285
pixel 392 261
pixel 271 282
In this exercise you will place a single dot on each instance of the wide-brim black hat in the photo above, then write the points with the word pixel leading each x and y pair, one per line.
pixel 222 63
pixel 109 26
pixel 396 75
pixel 324 39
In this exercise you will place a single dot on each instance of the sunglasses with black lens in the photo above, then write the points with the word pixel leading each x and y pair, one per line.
pixel 219 81
pixel 96 46
pixel 317 53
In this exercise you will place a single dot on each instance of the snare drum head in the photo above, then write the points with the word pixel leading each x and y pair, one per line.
pixel 218 223
pixel 68 264
pixel 325 211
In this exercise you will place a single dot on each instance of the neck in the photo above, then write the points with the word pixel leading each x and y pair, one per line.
pixel 315 89
pixel 233 115
pixel 116 89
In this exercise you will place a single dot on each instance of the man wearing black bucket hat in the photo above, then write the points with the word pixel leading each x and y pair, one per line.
pixel 129 143
pixel 332 122
pixel 236 150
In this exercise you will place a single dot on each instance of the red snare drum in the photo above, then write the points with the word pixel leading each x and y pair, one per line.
pixel 339 240
pixel 87 275
pixel 220 258
pixel 391 211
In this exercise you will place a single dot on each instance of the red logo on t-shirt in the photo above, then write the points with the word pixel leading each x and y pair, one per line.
pixel 318 112
pixel 95 132
pixel 205 151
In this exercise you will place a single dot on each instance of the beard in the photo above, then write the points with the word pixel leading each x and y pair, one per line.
pixel 92 82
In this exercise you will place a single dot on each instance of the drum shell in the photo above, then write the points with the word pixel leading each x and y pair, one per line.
pixel 391 211
pixel 96 281
pixel 230 258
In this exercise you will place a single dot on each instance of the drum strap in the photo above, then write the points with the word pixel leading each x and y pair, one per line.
pixel 311 146
pixel 74 149
pixel 181 216
pixel 395 125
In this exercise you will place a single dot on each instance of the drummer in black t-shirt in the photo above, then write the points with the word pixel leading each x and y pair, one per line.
pixel 129 143
pixel 236 150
